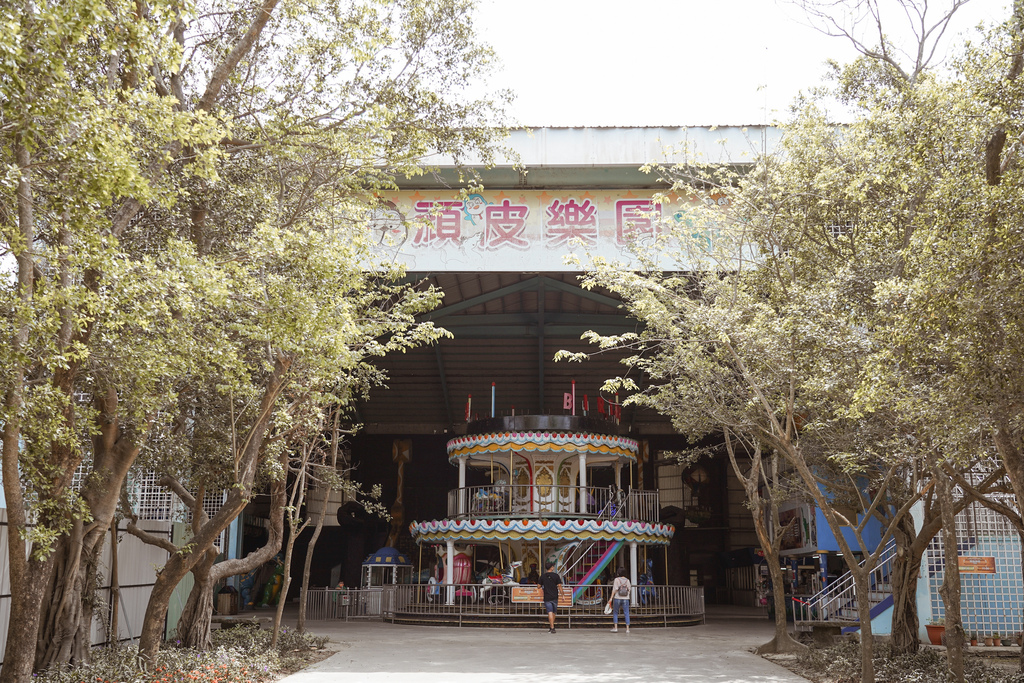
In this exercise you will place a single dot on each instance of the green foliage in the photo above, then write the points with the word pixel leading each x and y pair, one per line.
pixel 247 198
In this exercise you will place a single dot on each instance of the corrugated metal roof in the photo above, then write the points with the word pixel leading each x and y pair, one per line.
pixel 605 146
pixel 507 329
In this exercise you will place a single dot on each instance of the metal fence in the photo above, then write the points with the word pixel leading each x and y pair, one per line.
pixel 530 501
pixel 367 603
pixel 490 599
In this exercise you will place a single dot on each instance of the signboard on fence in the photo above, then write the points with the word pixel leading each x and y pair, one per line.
pixel 977 565
pixel 532 593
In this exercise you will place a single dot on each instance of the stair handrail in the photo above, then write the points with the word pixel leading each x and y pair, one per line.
pixel 839 595
pixel 576 555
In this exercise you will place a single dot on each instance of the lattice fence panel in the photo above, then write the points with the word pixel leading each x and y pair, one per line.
pixel 990 602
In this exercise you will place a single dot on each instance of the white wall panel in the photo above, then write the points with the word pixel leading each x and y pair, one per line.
pixel 137 565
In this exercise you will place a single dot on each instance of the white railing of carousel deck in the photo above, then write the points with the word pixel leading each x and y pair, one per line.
pixel 599 502
pixel 325 604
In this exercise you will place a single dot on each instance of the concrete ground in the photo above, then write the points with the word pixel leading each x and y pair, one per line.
pixel 375 652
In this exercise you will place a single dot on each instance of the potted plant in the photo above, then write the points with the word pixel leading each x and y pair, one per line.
pixel 974 639
pixel 997 640
pixel 988 641
pixel 1020 639
pixel 936 630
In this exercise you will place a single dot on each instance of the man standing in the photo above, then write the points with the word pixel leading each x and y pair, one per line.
pixel 550 581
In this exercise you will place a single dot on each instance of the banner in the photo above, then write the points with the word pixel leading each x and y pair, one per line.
pixel 528 230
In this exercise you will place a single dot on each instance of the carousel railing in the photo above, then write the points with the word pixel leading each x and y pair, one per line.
pixel 665 602
pixel 526 501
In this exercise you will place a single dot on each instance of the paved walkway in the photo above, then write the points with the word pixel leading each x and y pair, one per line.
pixel 374 652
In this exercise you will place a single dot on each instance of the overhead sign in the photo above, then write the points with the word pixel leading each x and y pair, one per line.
pixel 526 230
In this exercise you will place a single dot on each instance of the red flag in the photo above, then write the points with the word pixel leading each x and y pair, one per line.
pixel 600 405
pixel 469 405
pixel 586 404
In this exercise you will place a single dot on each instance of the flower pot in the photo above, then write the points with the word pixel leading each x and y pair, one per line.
pixel 988 641
pixel 935 633
pixel 997 642
pixel 974 642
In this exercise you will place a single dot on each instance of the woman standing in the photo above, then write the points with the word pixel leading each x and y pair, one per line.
pixel 620 599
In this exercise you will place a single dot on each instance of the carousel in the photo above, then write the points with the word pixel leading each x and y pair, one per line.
pixel 539 502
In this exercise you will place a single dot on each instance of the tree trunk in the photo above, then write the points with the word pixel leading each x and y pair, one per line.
pixel 70 598
pixel 285 584
pixel 156 609
pixel 194 625
pixel 867 642
pixel 179 563
pixel 781 641
pixel 950 589
pixel 26 593
pixel 26 604
pixel 301 625
pixel 905 568
pixel 65 631
pixel 113 628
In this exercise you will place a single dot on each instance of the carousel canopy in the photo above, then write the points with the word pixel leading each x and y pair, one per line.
pixel 387 556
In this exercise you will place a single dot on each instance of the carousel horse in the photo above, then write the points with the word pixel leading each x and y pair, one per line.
pixel 645 582
pixel 507 578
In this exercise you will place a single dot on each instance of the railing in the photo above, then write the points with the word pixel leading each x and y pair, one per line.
pixel 529 501
pixel 365 603
pixel 838 600
pixel 456 601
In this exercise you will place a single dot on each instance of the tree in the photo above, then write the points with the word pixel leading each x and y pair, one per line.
pixel 857 328
pixel 171 138
pixel 762 509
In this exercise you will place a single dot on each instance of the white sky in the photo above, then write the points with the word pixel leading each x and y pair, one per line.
pixel 666 62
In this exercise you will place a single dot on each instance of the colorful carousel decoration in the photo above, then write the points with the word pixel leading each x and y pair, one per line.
pixel 539 504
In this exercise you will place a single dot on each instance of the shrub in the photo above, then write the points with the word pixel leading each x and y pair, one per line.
pixel 239 655
pixel 841 664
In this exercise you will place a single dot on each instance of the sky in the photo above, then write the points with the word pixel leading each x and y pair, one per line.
pixel 669 62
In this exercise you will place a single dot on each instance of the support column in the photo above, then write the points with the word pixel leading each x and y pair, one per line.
pixel 449 573
pixel 583 482
pixel 618 474
pixel 632 572
pixel 462 485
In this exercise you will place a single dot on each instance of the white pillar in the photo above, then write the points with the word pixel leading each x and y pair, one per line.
pixel 449 573
pixel 632 572
pixel 583 482
pixel 462 485
pixel 618 474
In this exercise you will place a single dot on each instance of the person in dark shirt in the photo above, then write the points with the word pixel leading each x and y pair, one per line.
pixel 550 581
pixel 534 576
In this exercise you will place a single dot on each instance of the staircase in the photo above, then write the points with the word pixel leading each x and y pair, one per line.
pixel 837 604
pixel 585 563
